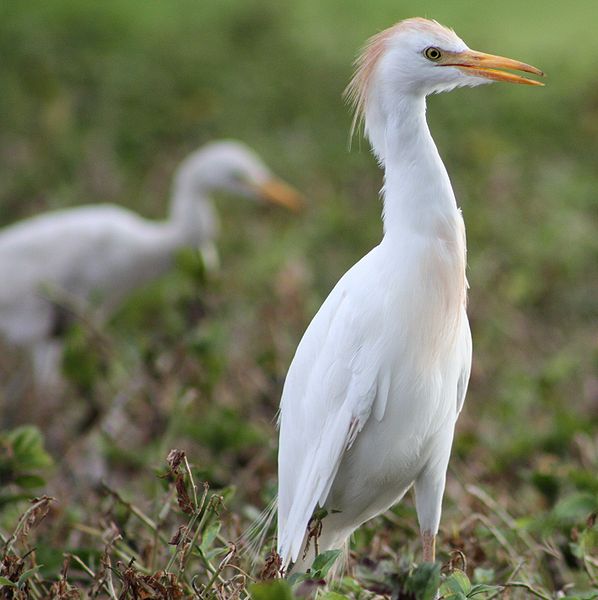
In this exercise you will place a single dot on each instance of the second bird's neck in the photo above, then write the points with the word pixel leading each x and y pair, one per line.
pixel 192 214
pixel 417 191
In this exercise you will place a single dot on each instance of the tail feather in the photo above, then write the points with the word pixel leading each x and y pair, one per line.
pixel 315 481
pixel 254 537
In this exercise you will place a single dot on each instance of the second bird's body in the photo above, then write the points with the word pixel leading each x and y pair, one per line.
pixel 58 264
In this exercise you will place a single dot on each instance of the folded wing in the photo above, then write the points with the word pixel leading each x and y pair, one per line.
pixel 334 384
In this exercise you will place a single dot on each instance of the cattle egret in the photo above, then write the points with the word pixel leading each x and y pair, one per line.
pixel 373 393
pixel 102 253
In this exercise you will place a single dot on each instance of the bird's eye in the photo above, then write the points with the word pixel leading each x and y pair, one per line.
pixel 432 53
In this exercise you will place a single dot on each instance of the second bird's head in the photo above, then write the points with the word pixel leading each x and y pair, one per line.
pixel 231 167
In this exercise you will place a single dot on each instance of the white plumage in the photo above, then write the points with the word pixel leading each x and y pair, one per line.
pixel 373 393
pixel 97 255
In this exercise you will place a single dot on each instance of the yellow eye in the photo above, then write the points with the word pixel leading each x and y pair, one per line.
pixel 432 53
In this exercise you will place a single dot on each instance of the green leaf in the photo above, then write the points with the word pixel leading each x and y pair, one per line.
pixel 8 582
pixel 209 536
pixel 6 499
pixel 332 596
pixel 348 584
pixel 324 562
pixel 191 263
pixel 216 553
pixel 296 578
pixel 24 438
pixel 271 590
pixel 27 574
pixel 481 575
pixel 30 481
pixel 482 588
pixel 575 507
pixel 227 493
pixel 28 447
pixel 424 581
pixel 586 544
pixel 456 582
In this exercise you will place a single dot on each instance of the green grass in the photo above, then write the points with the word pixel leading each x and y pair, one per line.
pixel 100 100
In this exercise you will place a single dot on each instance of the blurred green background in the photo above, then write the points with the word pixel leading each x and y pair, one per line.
pixel 100 100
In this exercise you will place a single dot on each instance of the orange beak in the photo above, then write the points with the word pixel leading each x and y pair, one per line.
pixel 278 192
pixel 480 64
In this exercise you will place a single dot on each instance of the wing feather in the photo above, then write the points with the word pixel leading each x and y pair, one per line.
pixel 332 387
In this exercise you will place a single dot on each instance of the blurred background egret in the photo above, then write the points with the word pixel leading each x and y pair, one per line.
pixel 100 101
pixel 81 263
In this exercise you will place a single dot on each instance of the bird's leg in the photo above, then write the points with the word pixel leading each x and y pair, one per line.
pixel 429 488
pixel 429 546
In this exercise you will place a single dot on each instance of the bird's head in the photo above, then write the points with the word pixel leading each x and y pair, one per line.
pixel 417 57
pixel 231 167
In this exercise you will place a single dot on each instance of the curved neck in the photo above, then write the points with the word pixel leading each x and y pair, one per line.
pixel 191 212
pixel 417 190
pixel 419 201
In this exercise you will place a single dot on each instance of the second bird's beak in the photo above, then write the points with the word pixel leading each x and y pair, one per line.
pixel 278 192
pixel 484 65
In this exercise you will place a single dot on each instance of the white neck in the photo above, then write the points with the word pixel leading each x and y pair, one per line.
pixel 192 213
pixel 417 190
pixel 419 200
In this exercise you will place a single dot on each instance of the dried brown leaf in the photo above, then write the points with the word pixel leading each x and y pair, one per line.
pixel 184 501
pixel 272 567
pixel 34 515
pixel 179 535
pixel 174 459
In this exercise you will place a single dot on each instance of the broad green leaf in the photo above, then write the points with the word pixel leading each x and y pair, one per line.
pixel 324 562
pixel 27 574
pixel 456 582
pixel 215 553
pixel 481 575
pixel 332 596
pixel 228 493
pixel 271 590
pixel 586 544
pixel 25 438
pixel 28 446
pixel 575 507
pixel 348 584
pixel 210 535
pixel 296 578
pixel 482 588
pixel 30 481
pixel 424 581
pixel 7 582
pixel 6 499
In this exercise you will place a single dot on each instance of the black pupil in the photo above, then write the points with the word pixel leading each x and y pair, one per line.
pixel 434 53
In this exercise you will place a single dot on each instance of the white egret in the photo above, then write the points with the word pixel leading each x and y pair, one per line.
pixel 373 393
pixel 101 253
